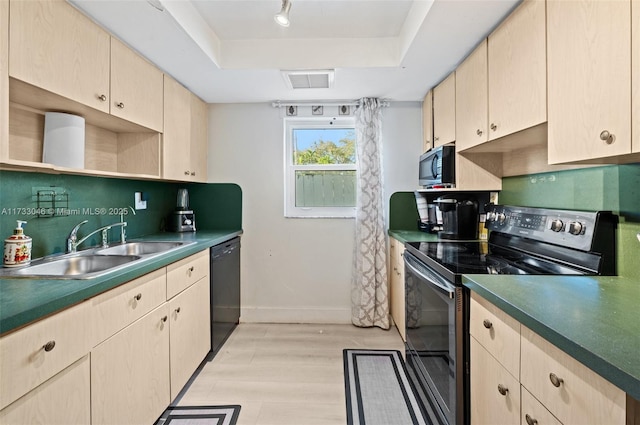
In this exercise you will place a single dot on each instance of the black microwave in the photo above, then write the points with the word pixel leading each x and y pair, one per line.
pixel 438 167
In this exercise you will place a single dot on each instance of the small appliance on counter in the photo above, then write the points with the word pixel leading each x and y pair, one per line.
pixel 430 220
pixel 182 219
pixel 459 217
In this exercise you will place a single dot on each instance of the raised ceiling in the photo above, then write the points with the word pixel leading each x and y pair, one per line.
pixel 232 51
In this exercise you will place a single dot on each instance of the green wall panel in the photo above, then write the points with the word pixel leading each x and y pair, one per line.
pixel 100 200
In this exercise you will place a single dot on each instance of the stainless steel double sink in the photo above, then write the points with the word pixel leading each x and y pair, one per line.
pixel 92 263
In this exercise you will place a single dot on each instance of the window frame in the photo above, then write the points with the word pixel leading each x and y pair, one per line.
pixel 290 209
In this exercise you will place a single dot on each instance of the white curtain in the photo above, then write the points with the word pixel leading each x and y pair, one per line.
pixel 369 292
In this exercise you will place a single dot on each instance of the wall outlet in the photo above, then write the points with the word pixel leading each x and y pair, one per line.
pixel 139 203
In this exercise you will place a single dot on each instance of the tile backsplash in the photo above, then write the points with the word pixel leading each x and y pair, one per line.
pixel 100 200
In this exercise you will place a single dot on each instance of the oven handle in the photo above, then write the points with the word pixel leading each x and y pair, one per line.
pixel 447 291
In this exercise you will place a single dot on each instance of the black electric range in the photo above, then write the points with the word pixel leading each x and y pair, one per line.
pixel 522 241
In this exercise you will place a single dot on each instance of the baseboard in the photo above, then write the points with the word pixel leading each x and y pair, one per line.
pixel 295 315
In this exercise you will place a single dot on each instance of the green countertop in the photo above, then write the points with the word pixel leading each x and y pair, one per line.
pixel 592 318
pixel 413 236
pixel 23 301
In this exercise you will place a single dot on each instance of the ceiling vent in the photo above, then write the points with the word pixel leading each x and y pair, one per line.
pixel 317 79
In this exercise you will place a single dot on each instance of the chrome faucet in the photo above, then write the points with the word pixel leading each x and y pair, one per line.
pixel 73 242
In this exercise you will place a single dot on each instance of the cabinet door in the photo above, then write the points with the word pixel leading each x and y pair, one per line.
pixel 444 111
pixel 62 400
pixel 589 67
pixel 572 392
pixel 54 46
pixel 35 353
pixel 495 393
pixel 199 139
pixel 471 99
pixel 635 75
pixel 4 80
pixel 396 263
pixel 427 122
pixel 190 336
pixel 533 412
pixel 130 372
pixel 136 87
pixel 176 146
pixel 517 71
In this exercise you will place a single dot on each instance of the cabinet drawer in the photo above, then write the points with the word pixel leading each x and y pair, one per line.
pixel 495 393
pixel 186 272
pixel 121 306
pixel 581 397
pixel 533 412
pixel 35 353
pixel 496 331
pixel 62 400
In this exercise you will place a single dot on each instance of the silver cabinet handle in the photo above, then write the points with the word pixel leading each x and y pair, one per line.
pixel 178 310
pixel 190 270
pixel 607 137
pixel 479 132
pixel 502 389
pixel 102 98
pixel 186 173
pixel 530 420
pixel 555 380
pixel 494 127
pixel 487 323
pixel 193 173
pixel 49 346
pixel 137 297
pixel 164 319
pixel 120 105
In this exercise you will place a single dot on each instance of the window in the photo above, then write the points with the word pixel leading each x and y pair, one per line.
pixel 320 167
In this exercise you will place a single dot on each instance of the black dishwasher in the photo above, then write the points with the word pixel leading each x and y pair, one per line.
pixel 225 291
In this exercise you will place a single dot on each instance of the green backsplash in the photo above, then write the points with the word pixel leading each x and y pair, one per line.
pixel 613 188
pixel 100 200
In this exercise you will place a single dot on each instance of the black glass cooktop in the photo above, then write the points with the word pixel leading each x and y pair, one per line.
pixel 483 258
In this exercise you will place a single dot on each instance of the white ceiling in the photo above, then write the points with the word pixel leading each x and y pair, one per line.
pixel 232 51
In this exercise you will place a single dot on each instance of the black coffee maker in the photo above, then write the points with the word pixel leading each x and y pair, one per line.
pixel 459 216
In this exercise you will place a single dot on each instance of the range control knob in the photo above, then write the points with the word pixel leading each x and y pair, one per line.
pixel 576 228
pixel 557 225
pixel 501 218
pixel 490 216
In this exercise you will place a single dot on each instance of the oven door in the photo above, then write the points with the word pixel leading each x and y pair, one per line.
pixel 435 341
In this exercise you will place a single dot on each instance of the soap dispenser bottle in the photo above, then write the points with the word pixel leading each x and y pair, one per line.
pixel 17 248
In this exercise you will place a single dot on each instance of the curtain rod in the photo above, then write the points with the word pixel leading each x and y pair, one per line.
pixel 283 104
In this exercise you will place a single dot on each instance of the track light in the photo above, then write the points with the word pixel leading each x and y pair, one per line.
pixel 282 17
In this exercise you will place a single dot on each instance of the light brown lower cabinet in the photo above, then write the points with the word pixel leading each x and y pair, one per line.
pixel 551 387
pixel 495 393
pixel 117 358
pixel 62 400
pixel 190 333
pixel 129 379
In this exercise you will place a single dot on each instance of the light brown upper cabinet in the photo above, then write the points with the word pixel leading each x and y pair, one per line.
pixel 444 111
pixel 471 99
pixel 185 134
pixel 136 87
pixel 199 139
pixel 589 71
pixel 57 48
pixel 4 79
pixel 427 121
pixel 517 71
pixel 635 75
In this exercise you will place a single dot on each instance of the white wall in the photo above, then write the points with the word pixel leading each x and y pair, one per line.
pixel 295 270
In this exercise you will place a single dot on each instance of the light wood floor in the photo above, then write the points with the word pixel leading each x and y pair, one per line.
pixel 285 374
